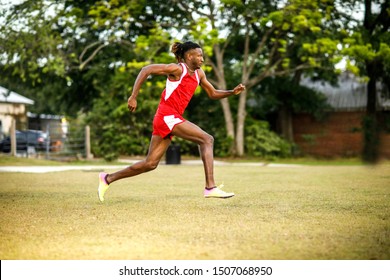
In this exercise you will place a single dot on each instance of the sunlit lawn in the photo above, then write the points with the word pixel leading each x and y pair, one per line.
pixel 306 212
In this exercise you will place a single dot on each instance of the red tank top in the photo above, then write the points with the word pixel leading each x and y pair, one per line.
pixel 177 94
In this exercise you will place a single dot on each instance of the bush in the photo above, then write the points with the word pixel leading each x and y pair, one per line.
pixel 262 142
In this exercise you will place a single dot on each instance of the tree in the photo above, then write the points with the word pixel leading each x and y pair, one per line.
pixel 367 45
pixel 259 38
pixel 81 58
pixel 89 42
pixel 48 45
pixel 115 131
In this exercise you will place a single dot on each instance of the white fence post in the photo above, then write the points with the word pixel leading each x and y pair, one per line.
pixel 13 137
pixel 88 154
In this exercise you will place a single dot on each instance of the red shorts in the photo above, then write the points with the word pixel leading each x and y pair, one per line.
pixel 163 124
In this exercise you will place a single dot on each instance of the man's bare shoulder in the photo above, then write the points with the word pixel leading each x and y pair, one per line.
pixel 202 74
pixel 201 71
pixel 170 69
pixel 174 66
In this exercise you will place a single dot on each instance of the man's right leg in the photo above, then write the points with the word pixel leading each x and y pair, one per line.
pixel 157 148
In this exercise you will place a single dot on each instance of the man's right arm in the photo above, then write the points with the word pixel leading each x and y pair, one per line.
pixel 172 70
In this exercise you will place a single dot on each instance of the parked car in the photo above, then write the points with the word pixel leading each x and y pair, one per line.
pixel 26 140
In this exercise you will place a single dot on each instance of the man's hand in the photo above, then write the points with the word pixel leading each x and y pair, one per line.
pixel 132 103
pixel 238 89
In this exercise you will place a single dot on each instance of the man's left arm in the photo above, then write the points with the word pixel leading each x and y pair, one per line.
pixel 218 93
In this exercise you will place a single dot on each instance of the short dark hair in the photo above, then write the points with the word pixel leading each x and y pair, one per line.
pixel 179 49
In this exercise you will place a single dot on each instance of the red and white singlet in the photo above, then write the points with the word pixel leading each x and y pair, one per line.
pixel 174 100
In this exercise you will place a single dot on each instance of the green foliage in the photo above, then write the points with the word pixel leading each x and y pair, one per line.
pixel 274 92
pixel 84 56
pixel 367 46
pixel 262 142
pixel 301 36
pixel 31 42
pixel 306 100
pixel 207 114
pixel 201 33
pixel 361 50
pixel 115 131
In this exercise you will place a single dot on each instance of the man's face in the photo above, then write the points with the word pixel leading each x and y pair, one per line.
pixel 195 58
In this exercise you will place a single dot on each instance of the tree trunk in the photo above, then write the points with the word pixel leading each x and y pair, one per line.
pixel 285 123
pixel 241 112
pixel 227 113
pixel 370 121
pixel 13 137
pixel 285 113
pixel 241 115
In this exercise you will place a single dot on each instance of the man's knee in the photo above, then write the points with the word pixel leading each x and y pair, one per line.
pixel 208 139
pixel 150 165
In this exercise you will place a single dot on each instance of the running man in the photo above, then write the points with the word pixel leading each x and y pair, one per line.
pixel 182 80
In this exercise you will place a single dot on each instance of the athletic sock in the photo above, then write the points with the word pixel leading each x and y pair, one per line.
pixel 105 179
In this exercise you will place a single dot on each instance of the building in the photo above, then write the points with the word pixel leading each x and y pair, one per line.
pixel 340 133
pixel 13 106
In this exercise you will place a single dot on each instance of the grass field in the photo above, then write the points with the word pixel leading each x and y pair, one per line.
pixel 305 212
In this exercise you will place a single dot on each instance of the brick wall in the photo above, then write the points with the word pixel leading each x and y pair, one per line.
pixel 339 135
pixel 385 145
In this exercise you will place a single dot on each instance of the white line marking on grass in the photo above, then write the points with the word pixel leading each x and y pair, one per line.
pixel 45 169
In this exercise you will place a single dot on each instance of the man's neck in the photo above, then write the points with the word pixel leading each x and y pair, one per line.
pixel 189 69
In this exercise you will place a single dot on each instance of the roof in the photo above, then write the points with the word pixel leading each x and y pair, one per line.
pixel 44 116
pixel 350 94
pixel 7 96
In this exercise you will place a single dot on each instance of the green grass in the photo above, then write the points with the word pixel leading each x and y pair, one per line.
pixel 307 212
pixel 6 160
pixel 21 161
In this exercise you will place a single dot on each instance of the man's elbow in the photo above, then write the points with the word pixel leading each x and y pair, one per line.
pixel 214 96
pixel 145 69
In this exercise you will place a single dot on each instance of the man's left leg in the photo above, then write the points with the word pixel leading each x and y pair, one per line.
pixel 194 133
